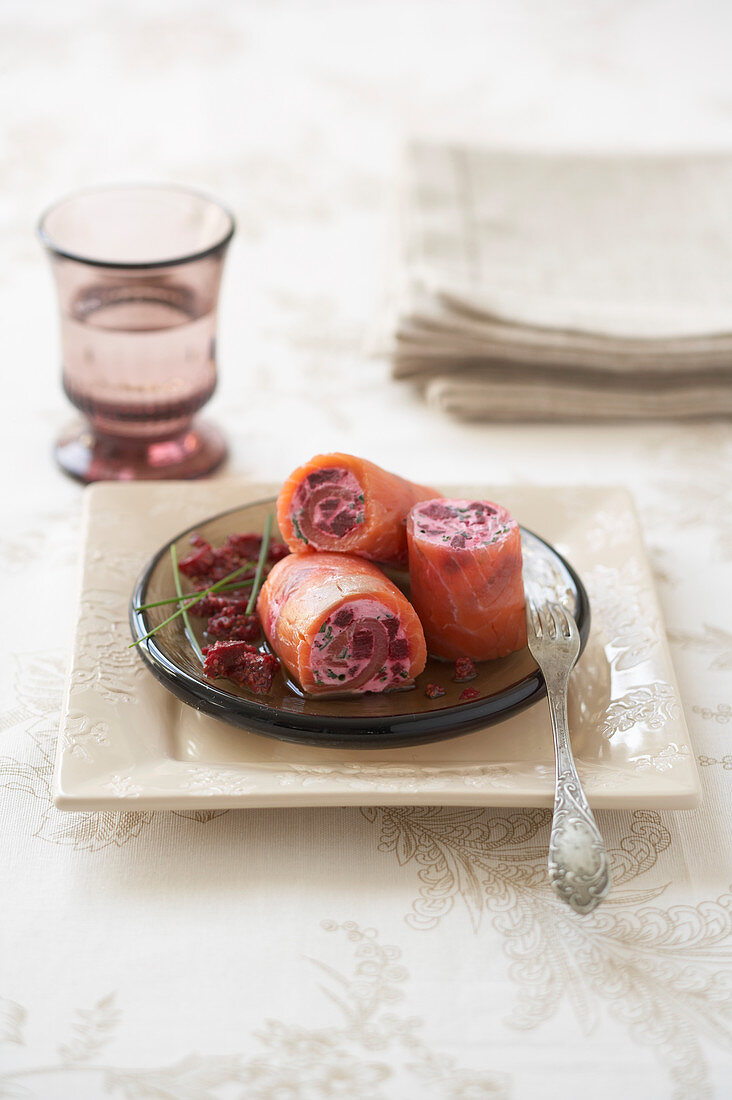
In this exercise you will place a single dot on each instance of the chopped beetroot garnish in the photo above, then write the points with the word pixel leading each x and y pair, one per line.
pixel 235 596
pixel 344 617
pixel 277 551
pixel 208 565
pixel 242 663
pixel 245 547
pixel 243 628
pixel 209 605
pixel 464 670
pixel 199 563
pixel 458 541
pixel 218 605
pixel 469 693
pixel 434 691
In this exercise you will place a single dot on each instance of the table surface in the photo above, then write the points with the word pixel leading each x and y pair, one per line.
pixel 371 952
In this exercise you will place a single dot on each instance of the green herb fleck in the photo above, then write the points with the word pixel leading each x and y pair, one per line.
pixel 298 531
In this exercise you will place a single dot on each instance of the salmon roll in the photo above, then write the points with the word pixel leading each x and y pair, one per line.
pixel 465 571
pixel 339 502
pixel 340 626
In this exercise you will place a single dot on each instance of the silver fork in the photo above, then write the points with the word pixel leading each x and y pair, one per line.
pixel 578 867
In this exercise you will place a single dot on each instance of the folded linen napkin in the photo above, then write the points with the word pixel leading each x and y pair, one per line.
pixel 560 286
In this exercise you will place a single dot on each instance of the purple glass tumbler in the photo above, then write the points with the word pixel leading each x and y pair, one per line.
pixel 138 271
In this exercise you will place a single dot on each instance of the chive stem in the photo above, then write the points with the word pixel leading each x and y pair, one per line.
pixel 162 624
pixel 189 595
pixel 195 597
pixel 263 551
pixel 184 607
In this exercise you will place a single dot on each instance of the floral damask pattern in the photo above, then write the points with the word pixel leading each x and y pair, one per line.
pixel 713 641
pixel 371 1046
pixel 707 506
pixel 12 1018
pixel 706 761
pixel 654 969
pixel 722 713
pixel 38 683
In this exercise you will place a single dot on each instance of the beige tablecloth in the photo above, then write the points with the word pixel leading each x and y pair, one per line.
pixel 384 953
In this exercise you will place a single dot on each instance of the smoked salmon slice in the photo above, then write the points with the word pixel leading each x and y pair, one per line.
pixel 465 572
pixel 340 626
pixel 340 502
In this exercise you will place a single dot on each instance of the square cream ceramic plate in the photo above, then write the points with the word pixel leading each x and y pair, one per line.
pixel 124 740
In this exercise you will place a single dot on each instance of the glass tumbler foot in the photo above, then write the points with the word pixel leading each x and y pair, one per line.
pixel 91 456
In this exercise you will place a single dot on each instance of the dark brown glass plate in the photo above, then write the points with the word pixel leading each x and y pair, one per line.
pixel 365 721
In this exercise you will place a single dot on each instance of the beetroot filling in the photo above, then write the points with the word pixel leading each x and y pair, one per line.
pixel 361 647
pixel 461 524
pixel 327 504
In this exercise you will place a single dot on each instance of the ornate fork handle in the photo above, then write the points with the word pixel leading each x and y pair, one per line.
pixel 578 866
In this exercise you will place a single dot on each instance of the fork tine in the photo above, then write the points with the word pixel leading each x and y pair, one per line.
pixel 548 626
pixel 560 620
pixel 566 623
pixel 532 618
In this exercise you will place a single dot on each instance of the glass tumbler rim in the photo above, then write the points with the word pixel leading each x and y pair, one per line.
pixel 56 249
